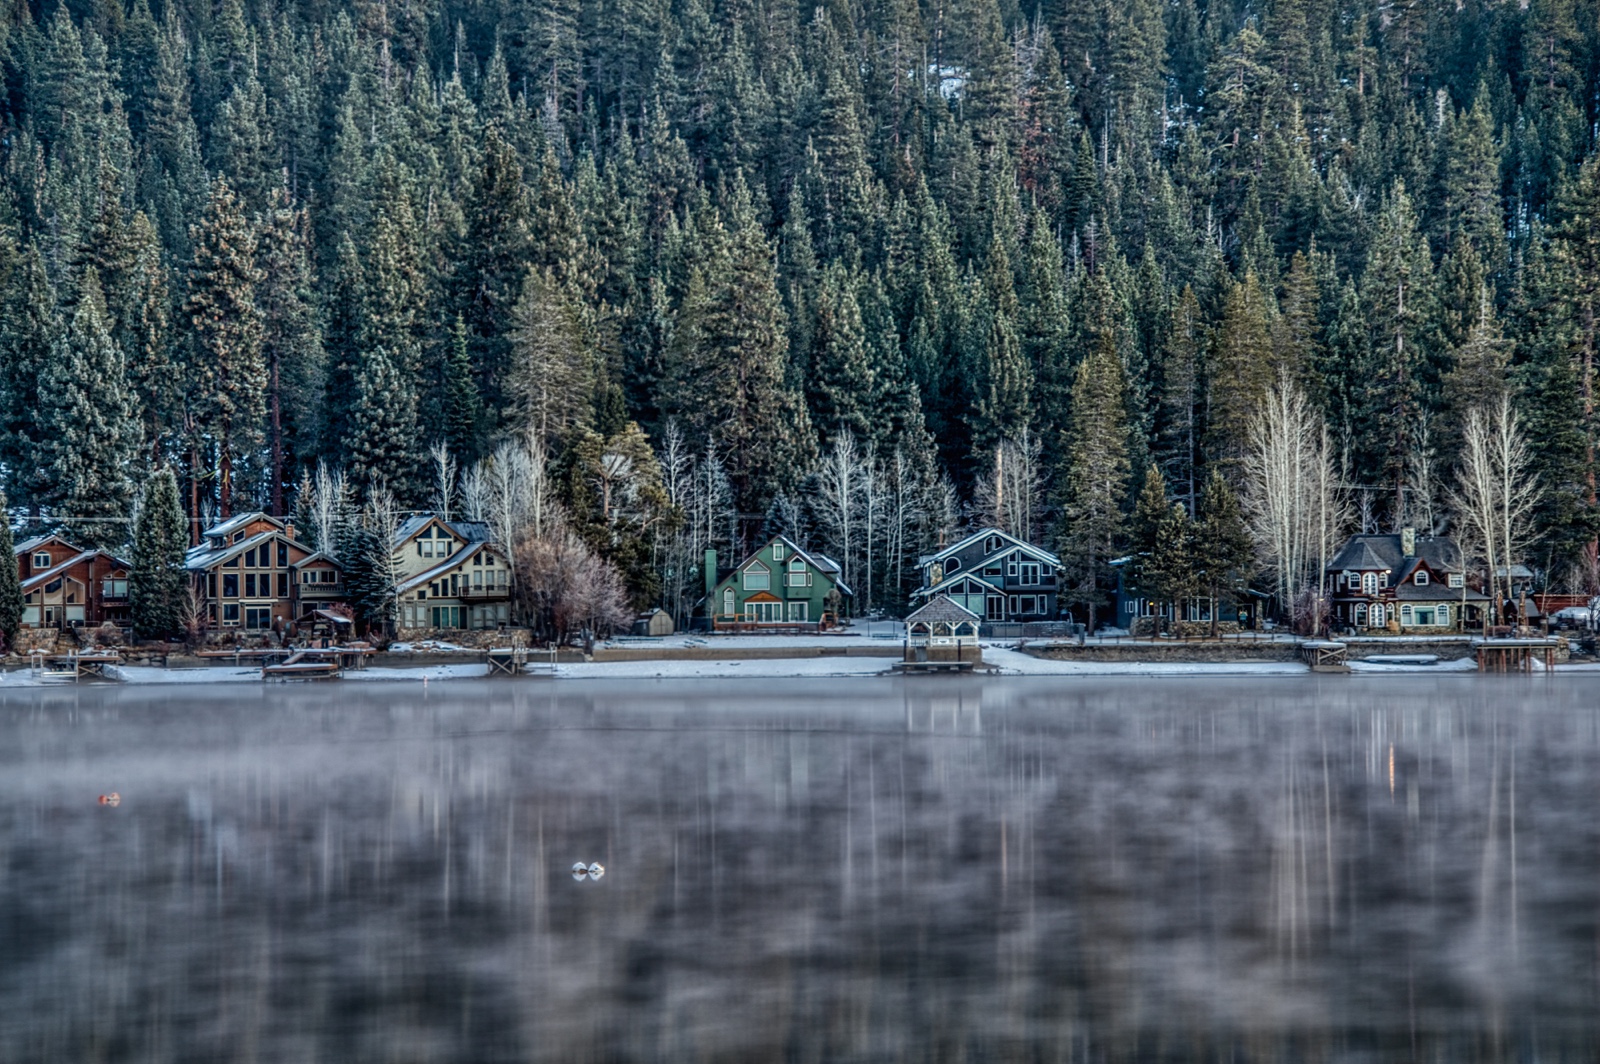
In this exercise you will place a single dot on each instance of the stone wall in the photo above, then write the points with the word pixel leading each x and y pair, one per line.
pixel 479 639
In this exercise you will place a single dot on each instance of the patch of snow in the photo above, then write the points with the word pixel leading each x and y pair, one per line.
pixel 760 667
pixel 1016 663
pixel 1413 665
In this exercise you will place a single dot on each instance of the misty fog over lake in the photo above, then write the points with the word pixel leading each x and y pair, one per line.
pixel 1319 868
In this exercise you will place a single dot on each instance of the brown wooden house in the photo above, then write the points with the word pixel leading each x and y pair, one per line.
pixel 64 586
pixel 252 575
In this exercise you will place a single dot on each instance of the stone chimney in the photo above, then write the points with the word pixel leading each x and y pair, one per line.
pixel 1408 542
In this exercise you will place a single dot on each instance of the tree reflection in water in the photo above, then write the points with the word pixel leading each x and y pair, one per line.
pixel 1337 868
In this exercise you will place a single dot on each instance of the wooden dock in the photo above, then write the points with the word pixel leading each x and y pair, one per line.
pixel 73 665
pixel 1516 655
pixel 1325 656
pixel 520 661
pixel 934 666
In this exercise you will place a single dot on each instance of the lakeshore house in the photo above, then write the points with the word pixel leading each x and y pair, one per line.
pixel 1402 582
pixel 1131 608
pixel 64 586
pixel 779 584
pixel 994 575
pixel 251 574
pixel 450 576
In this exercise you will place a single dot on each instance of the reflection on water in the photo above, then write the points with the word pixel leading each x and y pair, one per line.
pixel 1327 869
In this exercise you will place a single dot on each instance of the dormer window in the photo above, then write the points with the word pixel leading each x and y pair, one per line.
pixel 1454 580
pixel 237 536
pixel 41 560
pixel 1421 578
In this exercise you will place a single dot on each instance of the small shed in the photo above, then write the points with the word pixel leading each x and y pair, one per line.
pixel 942 631
pixel 324 625
pixel 654 622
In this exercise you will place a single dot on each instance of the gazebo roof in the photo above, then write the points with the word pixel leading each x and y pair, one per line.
pixel 941 609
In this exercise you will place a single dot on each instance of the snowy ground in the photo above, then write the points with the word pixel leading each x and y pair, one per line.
pixel 1002 658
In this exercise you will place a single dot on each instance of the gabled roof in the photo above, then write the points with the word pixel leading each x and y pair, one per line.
pixel 204 556
pixel 471 531
pixel 943 586
pixel 820 562
pixel 452 562
pixel 1010 543
pixel 38 541
pixel 238 521
pixel 56 570
pixel 318 556
pixel 941 610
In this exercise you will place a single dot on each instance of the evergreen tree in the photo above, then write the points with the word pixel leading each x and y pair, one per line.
pixel 225 378
pixel 27 331
pixel 1223 559
pixel 89 434
pixel 10 583
pixel 291 341
pixel 1094 480
pixel 840 384
pixel 157 581
pixel 1242 371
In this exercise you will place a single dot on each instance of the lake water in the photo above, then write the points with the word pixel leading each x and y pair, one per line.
pixel 1317 869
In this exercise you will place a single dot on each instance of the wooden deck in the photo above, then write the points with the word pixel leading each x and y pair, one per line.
pixel 72 666
pixel 1516 655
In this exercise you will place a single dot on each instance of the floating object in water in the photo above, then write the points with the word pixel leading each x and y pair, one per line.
pixel 111 799
pixel 580 871
pixel 597 870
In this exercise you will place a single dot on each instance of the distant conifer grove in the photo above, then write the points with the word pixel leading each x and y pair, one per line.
pixel 649 277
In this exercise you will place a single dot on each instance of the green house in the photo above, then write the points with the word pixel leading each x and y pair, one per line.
pixel 780 584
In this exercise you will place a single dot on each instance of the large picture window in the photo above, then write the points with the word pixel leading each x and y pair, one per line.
pixel 757 578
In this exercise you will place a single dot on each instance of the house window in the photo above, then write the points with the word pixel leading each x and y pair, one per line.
pixel 1421 578
pixel 283 555
pixel 257 618
pixel 780 551
pixel 249 585
pixel 1030 604
pixel 447 616
pixel 230 586
pixel 477 578
pixel 1444 615
pixel 329 576
pixel 799 575
pixel 757 578
pixel 991 544
pixel 52 587
pixel 1030 573
pixel 727 601
pixel 41 560
pixel 1012 603
pixel 250 558
pixel 283 585
pixel 1369 583
pixel 1405 614
pixel 1378 615
pixel 426 548
pixel 230 613
pixel 1454 580
pixel 1011 566
pixel 307 577
pixel 1361 616
pixel 952 565
pixel 114 588
pixel 799 611
pixel 1383 578
pixel 231 563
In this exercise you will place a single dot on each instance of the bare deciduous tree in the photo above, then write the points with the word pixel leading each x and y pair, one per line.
pixel 444 480
pixel 1496 491
pixel 1292 494
pixel 1009 494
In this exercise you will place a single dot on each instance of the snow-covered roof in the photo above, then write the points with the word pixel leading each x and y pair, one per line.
pixel 205 556
pixel 238 521
pixel 39 541
pixel 317 556
pixel 56 570
pixel 453 562
pixel 471 531
pixel 943 587
pixel 942 610
pixel 1009 542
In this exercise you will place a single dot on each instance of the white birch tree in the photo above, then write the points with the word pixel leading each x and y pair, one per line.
pixel 1496 492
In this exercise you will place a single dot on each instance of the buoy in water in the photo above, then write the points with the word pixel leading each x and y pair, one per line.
pixel 596 870
pixel 111 799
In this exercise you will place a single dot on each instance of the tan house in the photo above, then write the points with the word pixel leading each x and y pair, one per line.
pixel 65 587
pixel 451 576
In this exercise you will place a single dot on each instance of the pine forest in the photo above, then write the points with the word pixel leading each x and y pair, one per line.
pixel 1208 283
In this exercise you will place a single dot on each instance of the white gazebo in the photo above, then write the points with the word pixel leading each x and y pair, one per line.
pixel 942 631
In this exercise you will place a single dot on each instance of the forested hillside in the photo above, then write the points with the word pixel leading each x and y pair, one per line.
pixel 867 272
